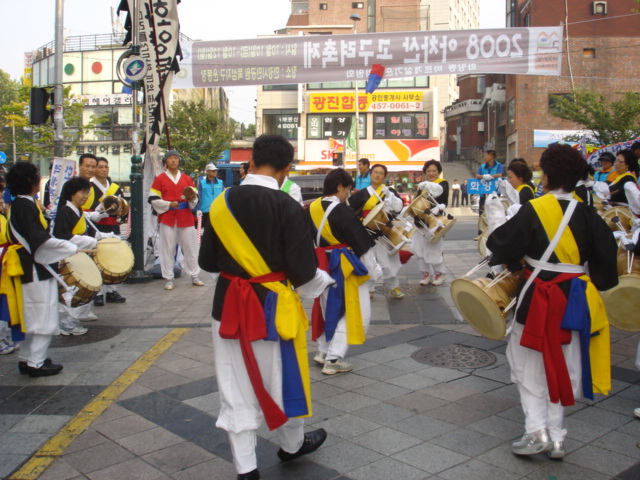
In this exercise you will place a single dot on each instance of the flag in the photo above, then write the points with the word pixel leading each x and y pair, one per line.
pixel 582 146
pixel 350 142
pixel 375 77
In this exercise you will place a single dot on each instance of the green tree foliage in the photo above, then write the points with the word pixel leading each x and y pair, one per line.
pixel 199 133
pixel 31 139
pixel 611 119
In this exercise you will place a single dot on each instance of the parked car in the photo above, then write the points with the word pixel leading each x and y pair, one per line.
pixel 311 186
pixel 229 173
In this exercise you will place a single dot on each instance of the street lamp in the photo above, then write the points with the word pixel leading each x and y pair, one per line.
pixel 355 18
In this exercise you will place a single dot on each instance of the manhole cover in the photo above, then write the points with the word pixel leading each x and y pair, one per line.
pixel 96 333
pixel 454 356
pixel 409 290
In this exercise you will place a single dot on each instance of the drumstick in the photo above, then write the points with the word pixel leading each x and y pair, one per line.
pixel 87 250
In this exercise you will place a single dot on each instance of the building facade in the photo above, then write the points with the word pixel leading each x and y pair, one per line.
pixel 601 54
pixel 90 71
pixel 296 111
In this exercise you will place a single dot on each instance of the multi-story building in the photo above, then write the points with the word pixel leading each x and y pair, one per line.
pixel 89 69
pixel 290 109
pixel 601 54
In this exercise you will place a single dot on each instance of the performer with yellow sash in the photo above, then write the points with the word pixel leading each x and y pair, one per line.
pixel 430 254
pixel 341 316
pixel 71 224
pixel 362 202
pixel 104 187
pixel 558 349
pixel 260 244
pixel 626 168
pixel 31 291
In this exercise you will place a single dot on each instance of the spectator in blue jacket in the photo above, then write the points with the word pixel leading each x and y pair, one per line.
pixel 209 187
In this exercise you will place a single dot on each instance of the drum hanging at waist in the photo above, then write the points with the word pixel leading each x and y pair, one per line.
pixel 80 271
pixel 622 302
pixel 114 258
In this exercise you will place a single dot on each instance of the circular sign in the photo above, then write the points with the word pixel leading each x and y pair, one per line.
pixel 3 157
pixel 135 68
pixel 96 67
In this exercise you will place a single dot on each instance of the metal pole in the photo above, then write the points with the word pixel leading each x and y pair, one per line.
pixel 355 18
pixel 14 144
pixel 58 122
pixel 137 215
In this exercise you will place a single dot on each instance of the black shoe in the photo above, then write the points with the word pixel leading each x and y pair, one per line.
pixel 46 370
pixel 312 442
pixel 22 366
pixel 98 301
pixel 252 475
pixel 115 297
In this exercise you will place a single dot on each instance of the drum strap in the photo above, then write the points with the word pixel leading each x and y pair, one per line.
pixel 547 253
pixel 554 267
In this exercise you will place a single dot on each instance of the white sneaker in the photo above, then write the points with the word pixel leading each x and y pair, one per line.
pixel 438 279
pixel 426 279
pixel 89 318
pixel 77 330
pixel 636 412
pixel 6 348
pixel 168 285
pixel 197 282
pixel 320 358
pixel 339 366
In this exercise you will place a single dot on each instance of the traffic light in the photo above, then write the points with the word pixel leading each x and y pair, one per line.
pixel 337 159
pixel 39 113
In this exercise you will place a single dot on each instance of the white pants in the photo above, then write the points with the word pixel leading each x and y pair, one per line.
pixel 40 299
pixel 170 238
pixel 71 317
pixel 240 413
pixel 527 372
pixel 337 347
pixel 430 255
pixel 107 289
pixel 390 265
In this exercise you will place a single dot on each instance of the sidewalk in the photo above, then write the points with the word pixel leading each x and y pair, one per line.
pixel 137 399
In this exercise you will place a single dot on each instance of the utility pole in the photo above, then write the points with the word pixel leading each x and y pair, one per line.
pixel 58 122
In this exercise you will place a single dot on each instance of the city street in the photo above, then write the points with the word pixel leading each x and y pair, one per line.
pixel 137 398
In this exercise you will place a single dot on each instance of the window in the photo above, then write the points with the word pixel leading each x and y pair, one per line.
pixel 401 125
pixel 324 6
pixel 511 112
pixel 422 82
pixel 282 122
pixel 481 84
pixel 599 8
pixel 333 126
pixel 553 100
pixel 589 53
pixel 357 5
pixel 280 87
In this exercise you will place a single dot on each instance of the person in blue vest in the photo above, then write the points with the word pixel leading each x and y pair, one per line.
pixel 209 187
pixel 487 172
pixel 364 179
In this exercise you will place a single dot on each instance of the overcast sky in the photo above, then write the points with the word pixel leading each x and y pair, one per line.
pixel 29 24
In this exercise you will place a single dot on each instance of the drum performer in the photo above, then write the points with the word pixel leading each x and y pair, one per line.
pixel 35 248
pixel 430 255
pixel 175 220
pixel 626 168
pixel 559 312
pixel 346 309
pixel 517 187
pixel 104 187
pixel 260 244
pixel 362 202
pixel 70 224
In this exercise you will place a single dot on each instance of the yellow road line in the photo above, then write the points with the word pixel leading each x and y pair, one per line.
pixel 55 447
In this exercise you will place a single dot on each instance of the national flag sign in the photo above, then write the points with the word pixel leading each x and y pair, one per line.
pixel 375 77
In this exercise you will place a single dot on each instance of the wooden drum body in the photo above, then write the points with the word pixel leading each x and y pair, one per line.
pixel 114 259
pixel 80 271
pixel 624 219
pixel 485 303
pixel 622 302
pixel 393 234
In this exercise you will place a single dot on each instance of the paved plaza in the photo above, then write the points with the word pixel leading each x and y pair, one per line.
pixel 138 399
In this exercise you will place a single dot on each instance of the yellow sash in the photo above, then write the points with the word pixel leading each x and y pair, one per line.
pixel 80 228
pixel 523 186
pixel 291 319
pixel 11 285
pixel 113 188
pixel 373 200
pixel 550 214
pixel 353 312
pixel 620 177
